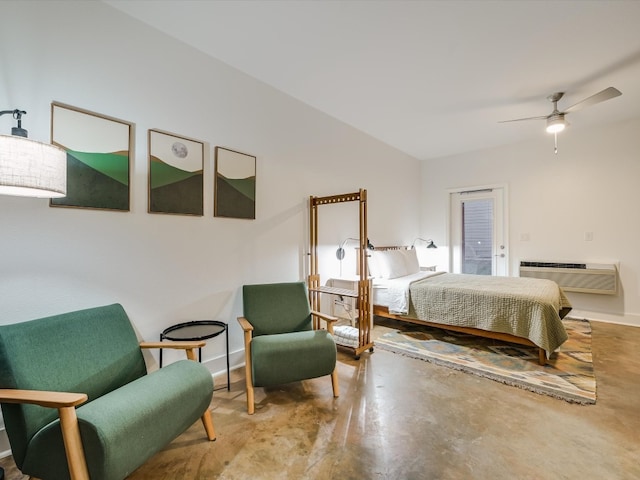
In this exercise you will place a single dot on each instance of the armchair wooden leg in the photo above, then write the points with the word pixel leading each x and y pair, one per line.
pixel 247 372
pixel 250 397
pixel 334 383
pixel 73 444
pixel 208 425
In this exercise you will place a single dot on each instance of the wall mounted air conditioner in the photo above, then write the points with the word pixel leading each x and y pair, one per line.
pixel 575 277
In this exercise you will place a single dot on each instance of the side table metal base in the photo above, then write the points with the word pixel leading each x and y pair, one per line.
pixel 198 330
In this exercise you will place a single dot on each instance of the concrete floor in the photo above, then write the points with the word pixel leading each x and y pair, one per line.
pixel 400 418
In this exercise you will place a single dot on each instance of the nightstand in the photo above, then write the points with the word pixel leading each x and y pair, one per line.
pixel 344 305
pixel 428 268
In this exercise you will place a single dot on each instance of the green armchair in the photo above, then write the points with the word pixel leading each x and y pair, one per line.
pixel 121 416
pixel 280 343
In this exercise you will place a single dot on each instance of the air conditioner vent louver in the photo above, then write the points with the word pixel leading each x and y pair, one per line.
pixel 553 264
pixel 574 277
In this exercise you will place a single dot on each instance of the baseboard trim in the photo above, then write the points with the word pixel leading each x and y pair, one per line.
pixel 625 319
pixel 218 365
pixel 4 443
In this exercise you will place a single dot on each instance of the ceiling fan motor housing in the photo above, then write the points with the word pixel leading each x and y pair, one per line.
pixel 555 122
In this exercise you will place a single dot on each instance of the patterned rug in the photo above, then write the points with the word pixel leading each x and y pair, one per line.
pixel 568 374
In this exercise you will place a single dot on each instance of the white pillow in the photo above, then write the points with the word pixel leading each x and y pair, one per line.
pixel 395 263
pixel 411 261
pixel 372 264
pixel 391 263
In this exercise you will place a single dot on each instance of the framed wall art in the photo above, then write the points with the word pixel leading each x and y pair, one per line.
pixel 235 184
pixel 176 178
pixel 98 158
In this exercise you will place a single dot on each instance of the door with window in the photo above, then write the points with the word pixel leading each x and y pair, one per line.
pixel 477 222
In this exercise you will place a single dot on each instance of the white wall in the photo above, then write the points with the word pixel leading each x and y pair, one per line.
pixel 164 268
pixel 591 185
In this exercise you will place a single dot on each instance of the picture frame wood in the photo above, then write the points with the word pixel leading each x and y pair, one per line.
pixel 176 174
pixel 235 184
pixel 98 158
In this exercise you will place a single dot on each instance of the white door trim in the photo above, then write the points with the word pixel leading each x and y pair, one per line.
pixel 500 240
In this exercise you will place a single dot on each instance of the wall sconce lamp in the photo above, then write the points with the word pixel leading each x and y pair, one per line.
pixel 340 251
pixel 29 168
pixel 429 243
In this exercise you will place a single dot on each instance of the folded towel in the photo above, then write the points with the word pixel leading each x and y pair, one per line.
pixel 346 336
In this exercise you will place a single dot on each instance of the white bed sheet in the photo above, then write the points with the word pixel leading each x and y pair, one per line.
pixel 394 293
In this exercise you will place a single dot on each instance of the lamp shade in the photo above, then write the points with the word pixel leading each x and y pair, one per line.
pixel 32 169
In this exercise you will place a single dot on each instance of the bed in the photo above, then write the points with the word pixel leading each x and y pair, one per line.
pixel 526 311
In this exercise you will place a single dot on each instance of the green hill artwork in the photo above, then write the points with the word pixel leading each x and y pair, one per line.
pixel 96 180
pixel 173 190
pixel 235 197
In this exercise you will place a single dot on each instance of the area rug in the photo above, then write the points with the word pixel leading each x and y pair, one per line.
pixel 568 375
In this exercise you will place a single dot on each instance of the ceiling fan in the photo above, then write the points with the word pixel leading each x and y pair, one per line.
pixel 556 119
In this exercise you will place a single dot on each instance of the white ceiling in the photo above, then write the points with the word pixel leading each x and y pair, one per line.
pixel 431 78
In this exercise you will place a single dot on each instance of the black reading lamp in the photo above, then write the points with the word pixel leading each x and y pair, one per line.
pixel 429 243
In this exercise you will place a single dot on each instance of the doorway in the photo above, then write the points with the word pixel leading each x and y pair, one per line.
pixel 477 231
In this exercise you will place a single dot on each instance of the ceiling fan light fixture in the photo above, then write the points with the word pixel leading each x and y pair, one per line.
pixel 556 123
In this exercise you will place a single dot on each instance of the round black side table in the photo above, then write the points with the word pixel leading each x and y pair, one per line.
pixel 198 330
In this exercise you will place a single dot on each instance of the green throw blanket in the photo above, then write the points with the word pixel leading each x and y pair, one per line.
pixel 524 307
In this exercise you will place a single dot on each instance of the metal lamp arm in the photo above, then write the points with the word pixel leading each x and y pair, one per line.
pixel 340 251
pixel 429 242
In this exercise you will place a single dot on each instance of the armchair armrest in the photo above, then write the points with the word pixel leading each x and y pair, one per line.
pixel 248 332
pixel 330 319
pixel 324 316
pixel 188 346
pixel 43 398
pixel 66 403
pixel 245 324
pixel 247 328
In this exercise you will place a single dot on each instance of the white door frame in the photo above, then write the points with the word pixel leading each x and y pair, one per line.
pixel 500 248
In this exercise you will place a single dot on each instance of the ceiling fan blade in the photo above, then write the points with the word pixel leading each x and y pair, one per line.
pixel 605 94
pixel 521 119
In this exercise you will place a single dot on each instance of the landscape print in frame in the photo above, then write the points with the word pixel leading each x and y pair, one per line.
pixel 98 158
pixel 176 178
pixel 235 189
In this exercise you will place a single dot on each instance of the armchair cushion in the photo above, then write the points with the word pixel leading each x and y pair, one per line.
pixel 291 357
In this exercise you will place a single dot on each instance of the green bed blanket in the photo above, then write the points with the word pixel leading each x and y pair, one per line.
pixel 524 307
